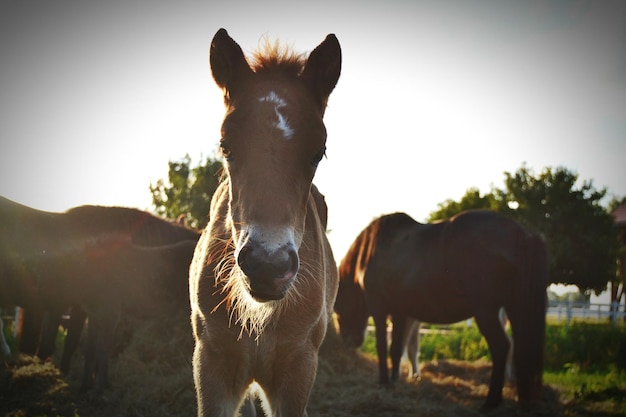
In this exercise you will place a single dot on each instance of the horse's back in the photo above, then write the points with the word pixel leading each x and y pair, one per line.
pixel 487 234
pixel 421 265
pixel 24 227
pixel 144 227
pixel 394 247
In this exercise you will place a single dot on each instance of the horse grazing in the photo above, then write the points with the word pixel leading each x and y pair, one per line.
pixel 263 280
pixel 469 265
pixel 110 278
pixel 105 278
pixel 48 262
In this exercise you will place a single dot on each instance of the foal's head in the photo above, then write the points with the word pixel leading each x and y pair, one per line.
pixel 273 138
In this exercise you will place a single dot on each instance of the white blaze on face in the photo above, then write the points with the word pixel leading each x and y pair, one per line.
pixel 281 122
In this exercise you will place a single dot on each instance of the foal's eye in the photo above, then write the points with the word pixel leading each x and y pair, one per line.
pixel 318 156
pixel 225 150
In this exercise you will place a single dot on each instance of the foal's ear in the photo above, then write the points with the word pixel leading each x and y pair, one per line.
pixel 323 67
pixel 228 64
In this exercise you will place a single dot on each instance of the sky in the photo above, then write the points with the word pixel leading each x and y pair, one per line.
pixel 435 97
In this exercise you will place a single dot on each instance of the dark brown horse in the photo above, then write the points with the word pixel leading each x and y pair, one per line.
pixel 263 280
pixel 34 244
pixel 470 265
pixel 108 278
pixel 155 284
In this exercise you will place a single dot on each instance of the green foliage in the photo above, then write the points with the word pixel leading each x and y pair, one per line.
pixel 458 342
pixel 616 202
pixel 188 190
pixel 583 346
pixel 605 387
pixel 579 231
pixel 591 347
pixel 470 201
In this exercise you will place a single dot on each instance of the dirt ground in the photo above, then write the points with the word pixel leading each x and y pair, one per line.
pixel 151 376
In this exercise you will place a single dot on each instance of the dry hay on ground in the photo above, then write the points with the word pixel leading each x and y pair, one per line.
pixel 152 376
pixel 31 388
pixel 347 387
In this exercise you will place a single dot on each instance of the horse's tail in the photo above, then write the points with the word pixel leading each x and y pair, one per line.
pixel 527 312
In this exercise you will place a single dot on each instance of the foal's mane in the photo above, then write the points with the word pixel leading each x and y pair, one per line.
pixel 274 57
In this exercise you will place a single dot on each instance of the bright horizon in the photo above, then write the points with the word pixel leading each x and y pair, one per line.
pixel 434 98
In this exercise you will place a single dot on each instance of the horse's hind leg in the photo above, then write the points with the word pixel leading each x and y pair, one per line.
pixel 528 328
pixel 509 374
pixel 489 324
pixel 527 313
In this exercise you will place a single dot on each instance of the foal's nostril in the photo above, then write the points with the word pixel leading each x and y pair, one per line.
pixel 242 258
pixel 269 276
pixel 256 263
pixel 294 261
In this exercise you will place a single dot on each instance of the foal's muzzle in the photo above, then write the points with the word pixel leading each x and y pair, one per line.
pixel 269 274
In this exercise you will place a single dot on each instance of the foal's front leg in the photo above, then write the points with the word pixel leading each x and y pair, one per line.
pixel 220 383
pixel 288 392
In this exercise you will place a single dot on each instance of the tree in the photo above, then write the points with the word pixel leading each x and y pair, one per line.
pixel 188 191
pixel 579 232
pixel 618 286
pixel 470 201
